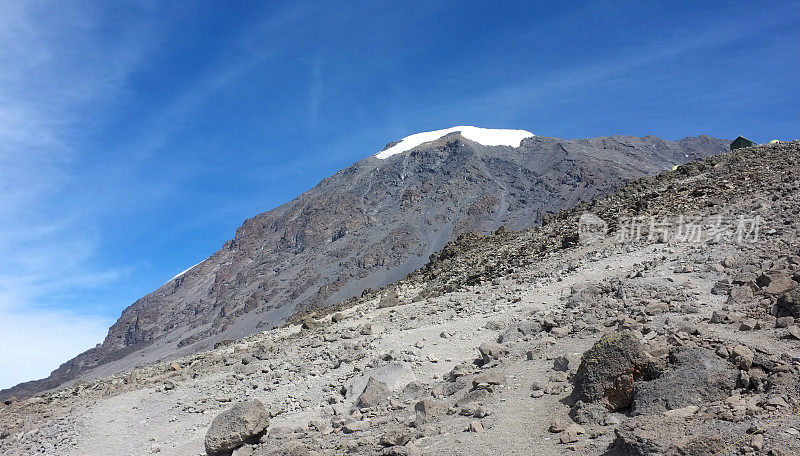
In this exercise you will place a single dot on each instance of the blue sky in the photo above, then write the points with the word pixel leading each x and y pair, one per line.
pixel 136 136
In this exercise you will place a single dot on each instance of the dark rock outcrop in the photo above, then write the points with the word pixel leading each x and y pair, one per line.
pixel 608 370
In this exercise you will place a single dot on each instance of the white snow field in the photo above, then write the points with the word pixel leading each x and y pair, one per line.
pixel 485 136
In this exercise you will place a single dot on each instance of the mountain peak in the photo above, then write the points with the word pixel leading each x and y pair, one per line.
pixel 485 136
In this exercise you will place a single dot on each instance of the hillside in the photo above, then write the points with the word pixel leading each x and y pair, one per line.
pixel 672 329
pixel 365 227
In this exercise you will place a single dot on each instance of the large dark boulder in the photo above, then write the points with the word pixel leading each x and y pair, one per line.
pixel 694 376
pixel 608 370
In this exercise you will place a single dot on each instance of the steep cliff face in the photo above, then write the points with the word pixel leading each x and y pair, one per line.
pixel 364 227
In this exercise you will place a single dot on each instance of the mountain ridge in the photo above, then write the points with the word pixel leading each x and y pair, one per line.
pixel 366 226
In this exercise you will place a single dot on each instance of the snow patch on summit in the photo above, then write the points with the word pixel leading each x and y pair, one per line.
pixel 485 136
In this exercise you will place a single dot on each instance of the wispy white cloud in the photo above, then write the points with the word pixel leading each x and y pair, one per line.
pixel 55 75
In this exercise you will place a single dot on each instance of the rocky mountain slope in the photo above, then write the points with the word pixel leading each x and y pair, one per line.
pixel 364 227
pixel 672 329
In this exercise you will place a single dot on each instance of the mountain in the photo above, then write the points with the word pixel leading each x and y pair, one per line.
pixel 365 227
pixel 679 337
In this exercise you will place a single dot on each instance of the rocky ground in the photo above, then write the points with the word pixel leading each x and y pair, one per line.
pixel 660 335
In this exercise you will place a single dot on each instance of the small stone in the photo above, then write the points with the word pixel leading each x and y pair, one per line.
pixel 719 317
pixel 395 438
pixel 492 351
pixel 757 442
pixel 174 367
pixel 794 331
pixel 571 433
pixel 537 394
pixel 743 355
pixel 683 412
pixel 561 363
pixel 475 426
pixel 558 425
pixel 784 322
pixel 355 426
pixel 748 324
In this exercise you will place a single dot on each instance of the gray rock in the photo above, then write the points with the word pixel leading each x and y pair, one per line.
pixel 375 392
pixel 244 422
pixel 389 299
pixel 396 376
pixel 789 304
pixel 355 426
pixel 288 449
pixel 777 284
pixel 694 376
pixel 491 351
pixel 395 438
pixel 654 435
pixel 592 414
pixel 428 408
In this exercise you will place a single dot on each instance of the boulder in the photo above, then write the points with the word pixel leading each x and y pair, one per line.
pixel 776 284
pixel 355 426
pixel 395 376
pixel 427 409
pixel 243 423
pixel 390 299
pixel 375 392
pixel 740 294
pixel 491 351
pixel 588 414
pixel 395 438
pixel 694 376
pixel 308 322
pixel 609 369
pixel 789 304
